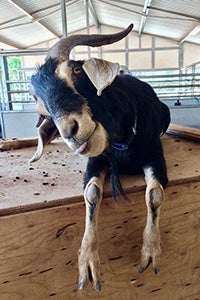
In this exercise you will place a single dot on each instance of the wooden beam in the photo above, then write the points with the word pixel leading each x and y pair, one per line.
pixel 184 131
pixel 17 143
pixel 39 250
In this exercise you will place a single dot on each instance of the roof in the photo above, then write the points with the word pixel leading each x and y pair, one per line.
pixel 25 23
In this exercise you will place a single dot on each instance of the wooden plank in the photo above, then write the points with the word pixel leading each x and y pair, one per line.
pixel 17 143
pixel 184 131
pixel 174 129
pixel 57 178
pixel 38 263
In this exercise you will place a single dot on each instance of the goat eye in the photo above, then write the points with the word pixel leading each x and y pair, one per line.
pixel 77 70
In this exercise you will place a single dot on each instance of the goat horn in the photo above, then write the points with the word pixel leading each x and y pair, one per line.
pixel 63 47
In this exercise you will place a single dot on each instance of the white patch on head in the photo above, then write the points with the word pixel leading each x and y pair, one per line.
pixel 63 71
pixel 41 107
pixel 98 142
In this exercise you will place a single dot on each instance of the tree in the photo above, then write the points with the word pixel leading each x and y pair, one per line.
pixel 14 63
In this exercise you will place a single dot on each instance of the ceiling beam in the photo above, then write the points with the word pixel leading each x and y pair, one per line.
pixel 93 13
pixel 64 18
pixel 10 43
pixel 113 2
pixel 129 3
pixel 175 13
pixel 147 4
pixel 192 32
pixel 22 9
pixel 90 8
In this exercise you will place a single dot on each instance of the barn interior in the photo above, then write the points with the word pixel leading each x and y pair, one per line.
pixel 42 211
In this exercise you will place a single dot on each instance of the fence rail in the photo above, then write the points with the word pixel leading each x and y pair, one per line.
pixel 177 87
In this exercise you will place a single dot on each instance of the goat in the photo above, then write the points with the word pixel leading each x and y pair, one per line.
pixel 113 119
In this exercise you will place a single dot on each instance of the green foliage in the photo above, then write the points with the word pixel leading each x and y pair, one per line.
pixel 14 63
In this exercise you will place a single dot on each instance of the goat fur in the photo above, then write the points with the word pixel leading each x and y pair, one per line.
pixel 126 107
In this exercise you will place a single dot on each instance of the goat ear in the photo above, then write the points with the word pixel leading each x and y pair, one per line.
pixel 101 73
pixel 47 131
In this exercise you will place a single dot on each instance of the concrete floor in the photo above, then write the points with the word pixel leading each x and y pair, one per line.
pixel 187 114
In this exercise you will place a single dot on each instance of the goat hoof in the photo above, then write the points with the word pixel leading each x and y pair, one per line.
pixel 98 286
pixel 151 251
pixel 81 283
pixel 89 267
pixel 141 270
pixel 156 271
pixel 149 258
pixel 145 265
pixel 150 255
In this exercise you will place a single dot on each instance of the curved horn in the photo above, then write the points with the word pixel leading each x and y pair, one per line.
pixel 65 45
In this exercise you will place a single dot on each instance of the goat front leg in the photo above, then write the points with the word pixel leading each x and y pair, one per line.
pixel 151 249
pixel 89 264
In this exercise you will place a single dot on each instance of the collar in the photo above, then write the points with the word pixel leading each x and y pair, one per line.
pixel 125 146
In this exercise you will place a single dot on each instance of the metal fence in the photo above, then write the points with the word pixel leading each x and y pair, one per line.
pixel 177 87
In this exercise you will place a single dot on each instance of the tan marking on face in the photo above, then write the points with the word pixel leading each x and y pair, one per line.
pixel 89 132
pixel 41 107
pixel 63 71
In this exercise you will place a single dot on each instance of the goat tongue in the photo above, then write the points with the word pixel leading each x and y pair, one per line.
pixel 81 148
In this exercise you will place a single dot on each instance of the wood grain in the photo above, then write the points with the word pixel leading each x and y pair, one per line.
pixel 38 250
pixel 57 178
pixel 184 131
pixel 42 218
pixel 12 144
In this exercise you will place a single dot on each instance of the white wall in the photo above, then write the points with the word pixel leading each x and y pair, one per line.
pixel 142 53
pixel 138 53
pixel 191 54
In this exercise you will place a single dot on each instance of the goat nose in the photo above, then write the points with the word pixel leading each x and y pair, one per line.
pixel 72 130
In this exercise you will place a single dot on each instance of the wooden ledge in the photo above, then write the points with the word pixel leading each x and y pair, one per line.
pixel 57 178
pixel 184 131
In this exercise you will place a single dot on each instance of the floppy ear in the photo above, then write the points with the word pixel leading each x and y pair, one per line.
pixel 47 131
pixel 101 73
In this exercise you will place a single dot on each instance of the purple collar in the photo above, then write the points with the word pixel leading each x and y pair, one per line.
pixel 125 146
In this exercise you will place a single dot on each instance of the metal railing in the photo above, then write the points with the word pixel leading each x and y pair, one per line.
pixel 181 87
pixel 15 93
pixel 178 87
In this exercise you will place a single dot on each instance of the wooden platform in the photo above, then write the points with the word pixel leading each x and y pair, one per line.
pixel 42 223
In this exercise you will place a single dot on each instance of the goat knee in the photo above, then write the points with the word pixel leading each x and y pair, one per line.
pixel 93 195
pixel 154 199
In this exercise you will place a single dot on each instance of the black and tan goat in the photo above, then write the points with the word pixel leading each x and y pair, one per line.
pixel 116 121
